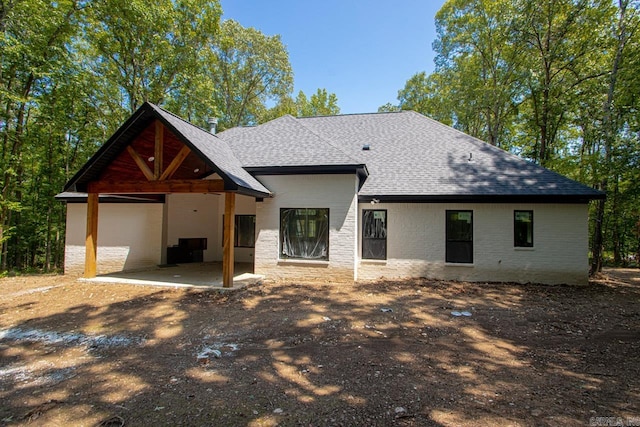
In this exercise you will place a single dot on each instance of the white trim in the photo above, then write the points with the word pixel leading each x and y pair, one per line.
pixel 298 261
pixel 459 264
pixel 373 261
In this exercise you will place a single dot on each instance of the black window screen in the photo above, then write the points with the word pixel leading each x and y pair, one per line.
pixel 245 231
pixel 374 234
pixel 244 235
pixel 523 229
pixel 459 236
pixel 304 233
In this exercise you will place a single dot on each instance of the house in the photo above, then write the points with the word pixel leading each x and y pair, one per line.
pixel 349 197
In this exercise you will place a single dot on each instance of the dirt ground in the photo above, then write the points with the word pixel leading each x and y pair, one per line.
pixel 414 353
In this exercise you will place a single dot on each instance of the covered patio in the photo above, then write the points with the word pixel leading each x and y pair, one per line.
pixel 157 153
pixel 203 275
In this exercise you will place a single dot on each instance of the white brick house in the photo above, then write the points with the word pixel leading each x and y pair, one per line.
pixel 351 197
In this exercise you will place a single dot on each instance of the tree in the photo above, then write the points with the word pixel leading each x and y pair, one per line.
pixel 32 44
pixel 559 56
pixel 478 56
pixel 143 48
pixel 388 108
pixel 247 69
pixel 610 131
pixel 321 103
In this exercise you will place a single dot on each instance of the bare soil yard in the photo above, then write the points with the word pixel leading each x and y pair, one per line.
pixel 384 353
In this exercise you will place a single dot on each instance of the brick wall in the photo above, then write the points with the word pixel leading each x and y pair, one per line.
pixel 129 237
pixel 416 244
pixel 335 192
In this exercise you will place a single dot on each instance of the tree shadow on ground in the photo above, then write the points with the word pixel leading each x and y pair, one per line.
pixel 380 353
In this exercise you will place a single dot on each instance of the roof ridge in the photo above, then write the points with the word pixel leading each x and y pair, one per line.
pixel 328 141
pixel 181 119
pixel 351 114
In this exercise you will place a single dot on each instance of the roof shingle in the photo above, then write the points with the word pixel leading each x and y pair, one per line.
pixel 409 155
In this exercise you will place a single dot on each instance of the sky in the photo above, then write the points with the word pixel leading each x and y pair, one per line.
pixel 364 51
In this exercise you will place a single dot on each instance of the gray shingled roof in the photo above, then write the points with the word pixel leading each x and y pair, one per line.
pixel 410 155
pixel 285 141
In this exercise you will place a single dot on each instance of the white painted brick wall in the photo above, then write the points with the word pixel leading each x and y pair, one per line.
pixel 416 244
pixel 336 192
pixel 194 216
pixel 129 237
pixel 200 215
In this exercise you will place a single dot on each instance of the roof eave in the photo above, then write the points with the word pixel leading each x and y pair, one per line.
pixel 482 198
pixel 71 185
pixel 360 169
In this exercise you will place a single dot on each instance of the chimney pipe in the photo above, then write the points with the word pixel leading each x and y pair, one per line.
pixel 213 124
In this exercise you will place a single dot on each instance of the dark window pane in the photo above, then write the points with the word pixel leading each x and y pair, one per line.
pixel 374 234
pixel 245 231
pixel 523 229
pixel 304 233
pixel 459 230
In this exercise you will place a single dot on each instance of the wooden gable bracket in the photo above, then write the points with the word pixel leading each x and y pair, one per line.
pixel 158 174
pixel 158 151
pixel 140 162
pixel 175 163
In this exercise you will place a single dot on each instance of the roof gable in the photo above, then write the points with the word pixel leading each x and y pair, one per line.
pixel 205 154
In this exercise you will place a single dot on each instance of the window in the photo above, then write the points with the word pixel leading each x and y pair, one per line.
pixel 245 231
pixel 304 233
pixel 459 237
pixel 523 229
pixel 374 234
pixel 244 234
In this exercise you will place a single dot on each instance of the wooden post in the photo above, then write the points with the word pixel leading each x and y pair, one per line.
pixel 227 252
pixel 159 144
pixel 91 242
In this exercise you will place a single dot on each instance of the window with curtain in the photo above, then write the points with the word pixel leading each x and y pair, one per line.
pixel 304 233
pixel 459 237
pixel 374 234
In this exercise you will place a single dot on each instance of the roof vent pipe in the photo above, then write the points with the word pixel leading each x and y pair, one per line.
pixel 213 124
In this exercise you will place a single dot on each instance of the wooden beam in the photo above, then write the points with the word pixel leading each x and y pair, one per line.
pixel 175 163
pixel 141 163
pixel 91 242
pixel 168 186
pixel 159 149
pixel 227 250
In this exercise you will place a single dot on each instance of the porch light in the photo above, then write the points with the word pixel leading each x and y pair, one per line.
pixel 151 159
pixel 196 170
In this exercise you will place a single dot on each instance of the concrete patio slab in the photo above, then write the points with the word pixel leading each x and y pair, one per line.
pixel 194 275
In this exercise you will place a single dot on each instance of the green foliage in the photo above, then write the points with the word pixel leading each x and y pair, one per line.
pixel 247 70
pixel 141 49
pixel 388 108
pixel 321 103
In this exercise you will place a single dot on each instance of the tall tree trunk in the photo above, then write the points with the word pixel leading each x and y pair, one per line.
pixel 617 245
pixel 608 136
pixel 47 245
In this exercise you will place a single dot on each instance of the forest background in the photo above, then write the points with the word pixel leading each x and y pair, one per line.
pixel 556 82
